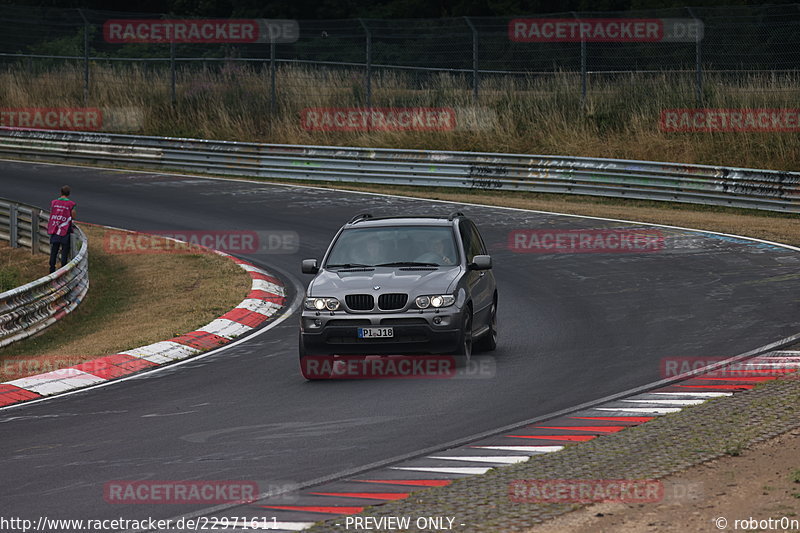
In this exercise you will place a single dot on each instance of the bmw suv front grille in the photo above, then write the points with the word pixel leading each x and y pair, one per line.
pixel 392 301
pixel 360 302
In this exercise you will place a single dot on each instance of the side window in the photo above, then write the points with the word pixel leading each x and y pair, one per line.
pixel 466 238
pixel 477 242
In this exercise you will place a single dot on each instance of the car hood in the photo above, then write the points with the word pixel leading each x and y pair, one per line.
pixel 415 282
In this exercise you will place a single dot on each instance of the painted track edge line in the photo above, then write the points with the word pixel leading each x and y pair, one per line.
pixel 350 472
pixel 282 311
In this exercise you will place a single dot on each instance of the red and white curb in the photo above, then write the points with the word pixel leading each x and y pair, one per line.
pixel 338 499
pixel 266 297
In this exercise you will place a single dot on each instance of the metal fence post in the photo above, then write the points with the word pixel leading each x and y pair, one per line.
pixel 474 59
pixel 13 223
pixel 583 64
pixel 172 95
pixel 273 102
pixel 698 59
pixel 85 58
pixel 368 74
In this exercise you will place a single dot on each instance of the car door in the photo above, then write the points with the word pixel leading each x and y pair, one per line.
pixel 480 282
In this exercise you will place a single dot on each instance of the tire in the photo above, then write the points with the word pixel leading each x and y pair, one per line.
pixel 326 361
pixel 464 351
pixel 488 342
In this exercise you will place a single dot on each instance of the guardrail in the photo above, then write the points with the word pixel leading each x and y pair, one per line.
pixel 644 180
pixel 32 307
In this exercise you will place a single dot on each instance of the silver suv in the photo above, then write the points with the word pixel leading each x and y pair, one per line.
pixel 400 285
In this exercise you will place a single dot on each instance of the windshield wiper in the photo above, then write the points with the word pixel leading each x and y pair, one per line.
pixel 407 263
pixel 350 265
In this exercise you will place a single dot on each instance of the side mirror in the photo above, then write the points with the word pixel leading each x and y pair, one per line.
pixel 309 266
pixel 481 262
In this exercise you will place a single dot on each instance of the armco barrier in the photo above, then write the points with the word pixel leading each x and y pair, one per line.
pixel 701 184
pixel 32 307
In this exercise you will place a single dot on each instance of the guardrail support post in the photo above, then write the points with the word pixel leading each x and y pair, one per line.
pixel 35 231
pixel 13 231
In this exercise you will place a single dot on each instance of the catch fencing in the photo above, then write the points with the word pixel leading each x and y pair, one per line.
pixel 382 56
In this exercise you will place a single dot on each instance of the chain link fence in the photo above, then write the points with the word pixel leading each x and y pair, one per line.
pixel 63 57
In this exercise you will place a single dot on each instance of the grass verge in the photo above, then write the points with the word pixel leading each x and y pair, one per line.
pixel 19 266
pixel 531 114
pixel 133 300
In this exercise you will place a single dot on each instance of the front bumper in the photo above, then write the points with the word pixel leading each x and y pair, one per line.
pixel 414 333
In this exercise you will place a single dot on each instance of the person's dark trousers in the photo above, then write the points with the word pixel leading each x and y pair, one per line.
pixel 57 244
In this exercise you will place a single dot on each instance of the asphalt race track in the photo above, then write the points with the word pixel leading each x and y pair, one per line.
pixel 572 328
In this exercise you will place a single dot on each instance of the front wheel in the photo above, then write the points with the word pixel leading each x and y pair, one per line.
pixel 314 367
pixel 464 350
pixel 488 342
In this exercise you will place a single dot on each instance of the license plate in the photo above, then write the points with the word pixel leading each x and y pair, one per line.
pixel 375 333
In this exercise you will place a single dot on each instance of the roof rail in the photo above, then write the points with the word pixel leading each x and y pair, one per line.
pixel 455 214
pixel 359 218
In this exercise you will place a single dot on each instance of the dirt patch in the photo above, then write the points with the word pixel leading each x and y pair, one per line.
pixel 761 483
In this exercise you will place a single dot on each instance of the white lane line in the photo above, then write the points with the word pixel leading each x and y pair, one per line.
pixel 468 470
pixel 667 402
pixel 499 459
pixel 694 394
pixel 532 449
pixel 640 410
pixel 274 525
pixel 264 524
pixel 772 364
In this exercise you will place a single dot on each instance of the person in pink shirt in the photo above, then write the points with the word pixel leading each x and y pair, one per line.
pixel 59 227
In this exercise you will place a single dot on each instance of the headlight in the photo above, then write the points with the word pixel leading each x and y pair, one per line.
pixel 437 300
pixel 319 304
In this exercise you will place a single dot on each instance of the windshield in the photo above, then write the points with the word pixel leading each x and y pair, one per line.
pixel 394 246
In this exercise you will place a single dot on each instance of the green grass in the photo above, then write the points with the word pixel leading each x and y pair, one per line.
pixel 9 278
pixel 106 296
